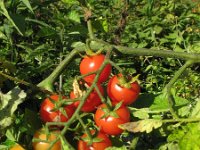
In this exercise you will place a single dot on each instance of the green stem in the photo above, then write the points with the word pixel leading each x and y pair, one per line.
pixel 181 120
pixel 116 66
pixel 87 131
pixel 90 29
pixel 49 81
pixel 34 87
pixel 159 53
pixel 168 87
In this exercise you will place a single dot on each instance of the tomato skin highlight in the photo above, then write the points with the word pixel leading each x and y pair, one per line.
pixel 109 124
pixel 93 63
pixel 92 102
pixel 118 93
pixel 40 134
pixel 54 116
pixel 106 142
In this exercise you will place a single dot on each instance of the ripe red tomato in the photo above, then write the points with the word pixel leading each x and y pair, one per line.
pixel 103 144
pixel 47 115
pixel 93 63
pixel 109 124
pixel 92 102
pixel 40 134
pixel 119 93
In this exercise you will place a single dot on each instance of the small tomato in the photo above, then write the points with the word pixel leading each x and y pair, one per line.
pixel 48 115
pixel 108 121
pixel 102 143
pixel 92 64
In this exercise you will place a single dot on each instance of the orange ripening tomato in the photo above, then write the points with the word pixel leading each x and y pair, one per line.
pixel 17 147
pixel 40 134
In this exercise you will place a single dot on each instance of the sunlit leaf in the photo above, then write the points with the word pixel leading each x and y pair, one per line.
pixel 74 16
pixel 196 110
pixel 28 5
pixel 9 103
pixel 141 114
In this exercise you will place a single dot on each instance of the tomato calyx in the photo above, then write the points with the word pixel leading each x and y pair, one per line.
pixel 90 53
pixel 126 81
pixel 92 138
pixel 111 110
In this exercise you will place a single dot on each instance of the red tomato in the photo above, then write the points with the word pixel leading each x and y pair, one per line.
pixel 119 93
pixel 47 115
pixel 92 102
pixel 40 134
pixel 93 63
pixel 103 144
pixel 109 124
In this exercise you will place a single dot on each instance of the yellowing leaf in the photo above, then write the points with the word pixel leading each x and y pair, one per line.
pixel 142 126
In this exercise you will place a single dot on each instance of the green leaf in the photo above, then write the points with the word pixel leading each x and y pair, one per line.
pixel 3 36
pixel 6 14
pixel 10 135
pixel 141 114
pixel 142 126
pixel 161 101
pixel 28 5
pixel 158 29
pixel 190 140
pixel 196 110
pixel 74 16
pixel 9 103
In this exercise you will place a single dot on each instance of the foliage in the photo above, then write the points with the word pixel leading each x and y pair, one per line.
pixel 41 46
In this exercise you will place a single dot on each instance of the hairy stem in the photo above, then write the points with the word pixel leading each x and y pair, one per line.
pixel 168 87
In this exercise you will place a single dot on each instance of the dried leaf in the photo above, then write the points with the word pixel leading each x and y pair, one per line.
pixel 142 126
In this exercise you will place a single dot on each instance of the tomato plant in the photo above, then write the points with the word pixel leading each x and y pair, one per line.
pixel 47 113
pixel 100 142
pixel 46 140
pixel 108 121
pixel 119 92
pixel 91 102
pixel 91 64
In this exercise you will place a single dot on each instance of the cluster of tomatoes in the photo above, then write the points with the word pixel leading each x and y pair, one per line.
pixel 121 90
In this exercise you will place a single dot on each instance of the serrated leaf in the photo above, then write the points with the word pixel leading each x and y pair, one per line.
pixel 161 101
pixel 9 103
pixel 141 114
pixel 28 5
pixel 142 126
pixel 196 110
pixel 190 140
